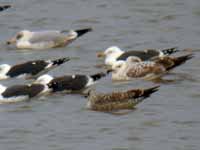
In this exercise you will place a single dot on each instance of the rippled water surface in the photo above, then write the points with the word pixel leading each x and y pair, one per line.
pixel 169 119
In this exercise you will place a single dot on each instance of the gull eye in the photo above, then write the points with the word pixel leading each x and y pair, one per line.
pixel 118 66
pixel 19 36
pixel 110 52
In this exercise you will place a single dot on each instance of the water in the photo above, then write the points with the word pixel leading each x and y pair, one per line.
pixel 168 120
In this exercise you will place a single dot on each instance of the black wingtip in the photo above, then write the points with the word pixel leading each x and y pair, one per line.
pixel 181 60
pixel 60 60
pixel 149 91
pixel 81 32
pixel 98 76
pixel 170 51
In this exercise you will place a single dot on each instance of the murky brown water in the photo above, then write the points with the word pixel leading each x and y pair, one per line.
pixel 168 120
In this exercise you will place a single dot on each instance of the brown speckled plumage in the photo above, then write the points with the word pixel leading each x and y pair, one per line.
pixel 118 100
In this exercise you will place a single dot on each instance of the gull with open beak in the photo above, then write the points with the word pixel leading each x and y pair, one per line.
pixel 26 39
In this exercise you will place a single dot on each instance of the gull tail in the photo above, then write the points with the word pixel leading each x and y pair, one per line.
pixel 81 32
pixel 180 60
pixel 60 61
pixel 138 95
pixel 170 51
pixel 147 92
pixel 98 76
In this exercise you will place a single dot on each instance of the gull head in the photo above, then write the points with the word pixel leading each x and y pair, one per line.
pixel 44 79
pixel 4 68
pixel 2 88
pixel 111 54
pixel 118 65
pixel 113 51
pixel 22 36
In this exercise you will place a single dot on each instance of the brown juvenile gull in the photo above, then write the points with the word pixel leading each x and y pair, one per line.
pixel 118 100
pixel 26 39
pixel 114 54
pixel 133 67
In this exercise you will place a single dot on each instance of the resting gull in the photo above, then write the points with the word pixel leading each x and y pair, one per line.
pixel 30 69
pixel 22 92
pixel 114 53
pixel 45 39
pixel 118 100
pixel 74 83
pixel 133 67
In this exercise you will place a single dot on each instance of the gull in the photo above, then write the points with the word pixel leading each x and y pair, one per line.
pixel 22 92
pixel 133 67
pixel 74 83
pixel 114 101
pixel 29 69
pixel 114 53
pixel 26 39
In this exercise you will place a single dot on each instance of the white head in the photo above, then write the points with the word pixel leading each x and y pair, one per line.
pixel 118 65
pixel 4 68
pixel 44 79
pixel 24 35
pixel 2 88
pixel 111 54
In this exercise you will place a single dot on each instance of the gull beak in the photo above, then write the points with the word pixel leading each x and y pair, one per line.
pixel 11 41
pixel 109 71
pixel 100 54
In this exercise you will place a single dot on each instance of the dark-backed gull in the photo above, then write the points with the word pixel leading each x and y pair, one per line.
pixel 23 92
pixel 74 83
pixel 114 53
pixel 30 69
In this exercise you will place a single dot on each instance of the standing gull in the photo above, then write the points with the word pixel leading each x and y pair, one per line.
pixel 22 92
pixel 114 53
pixel 45 39
pixel 74 83
pixel 118 100
pixel 30 69
pixel 133 67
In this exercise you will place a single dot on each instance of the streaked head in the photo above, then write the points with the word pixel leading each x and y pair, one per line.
pixel 23 35
pixel 118 65
pixel 44 79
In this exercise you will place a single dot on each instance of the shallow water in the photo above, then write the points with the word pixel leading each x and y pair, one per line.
pixel 169 119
